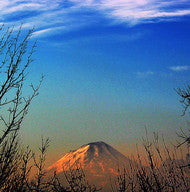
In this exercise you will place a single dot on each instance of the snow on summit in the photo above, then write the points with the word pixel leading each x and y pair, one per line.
pixel 97 159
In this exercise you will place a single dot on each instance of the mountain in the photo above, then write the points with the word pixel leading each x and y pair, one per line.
pixel 98 160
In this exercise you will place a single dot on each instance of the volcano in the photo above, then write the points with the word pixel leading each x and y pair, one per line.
pixel 98 160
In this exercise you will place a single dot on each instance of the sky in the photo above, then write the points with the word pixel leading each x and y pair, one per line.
pixel 111 69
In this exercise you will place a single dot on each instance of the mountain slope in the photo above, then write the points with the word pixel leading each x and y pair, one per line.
pixel 99 161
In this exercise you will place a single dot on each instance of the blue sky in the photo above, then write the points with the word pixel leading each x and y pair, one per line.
pixel 110 68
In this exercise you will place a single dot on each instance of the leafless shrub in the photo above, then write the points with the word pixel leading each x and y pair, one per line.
pixel 184 97
pixel 15 59
pixel 76 181
pixel 163 171
pixel 39 183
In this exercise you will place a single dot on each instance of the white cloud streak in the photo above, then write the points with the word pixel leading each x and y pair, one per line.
pixel 64 13
pixel 45 32
pixel 136 11
pixel 180 68
pixel 21 7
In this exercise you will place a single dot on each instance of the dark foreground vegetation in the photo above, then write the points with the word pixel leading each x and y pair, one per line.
pixel 163 171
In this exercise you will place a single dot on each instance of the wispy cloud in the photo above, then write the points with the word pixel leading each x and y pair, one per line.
pixel 21 7
pixel 144 73
pixel 44 32
pixel 137 11
pixel 180 68
pixel 48 14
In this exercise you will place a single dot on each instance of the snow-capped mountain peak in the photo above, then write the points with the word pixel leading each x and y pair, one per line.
pixel 97 158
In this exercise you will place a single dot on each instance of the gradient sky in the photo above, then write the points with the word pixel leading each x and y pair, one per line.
pixel 110 69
